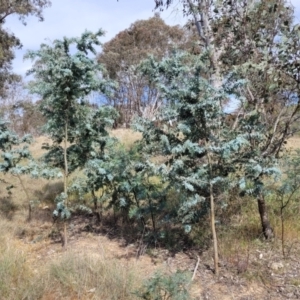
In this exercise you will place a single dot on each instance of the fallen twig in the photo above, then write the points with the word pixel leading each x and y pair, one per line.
pixel 196 268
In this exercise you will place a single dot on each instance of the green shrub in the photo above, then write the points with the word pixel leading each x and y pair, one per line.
pixel 162 287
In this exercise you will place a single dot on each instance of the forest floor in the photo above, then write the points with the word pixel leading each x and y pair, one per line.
pixel 250 268
pixel 258 272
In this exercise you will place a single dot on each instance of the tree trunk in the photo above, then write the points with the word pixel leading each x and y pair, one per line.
pixel 212 217
pixel 265 223
pixel 27 197
pixel 66 174
pixel 214 233
pixel 65 239
pixel 96 208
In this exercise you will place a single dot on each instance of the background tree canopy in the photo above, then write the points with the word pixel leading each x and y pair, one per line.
pixel 122 55
pixel 8 41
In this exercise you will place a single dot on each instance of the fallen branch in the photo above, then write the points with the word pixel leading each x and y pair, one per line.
pixel 196 268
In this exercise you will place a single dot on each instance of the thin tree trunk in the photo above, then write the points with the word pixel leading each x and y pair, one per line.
pixel 143 222
pixel 264 218
pixel 65 181
pixel 27 197
pixel 152 214
pixel 212 218
pixel 213 229
pixel 282 228
pixel 283 206
pixel 66 160
pixel 96 208
pixel 201 17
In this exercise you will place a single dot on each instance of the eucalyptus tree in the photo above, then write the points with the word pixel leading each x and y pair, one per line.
pixel 63 79
pixel 259 41
pixel 287 191
pixel 21 111
pixel 8 40
pixel 94 146
pixel 203 155
pixel 121 57
pixel 18 161
pixel 8 141
pixel 122 179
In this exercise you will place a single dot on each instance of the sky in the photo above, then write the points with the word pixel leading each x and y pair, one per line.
pixel 71 17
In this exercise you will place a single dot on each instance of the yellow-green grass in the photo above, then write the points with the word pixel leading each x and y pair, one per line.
pixel 126 136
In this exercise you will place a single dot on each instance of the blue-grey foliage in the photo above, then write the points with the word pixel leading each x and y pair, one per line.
pixel 120 178
pixel 63 80
pixel 193 126
pixel 163 287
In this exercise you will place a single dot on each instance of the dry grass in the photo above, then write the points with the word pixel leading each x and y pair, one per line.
pixel 88 276
pixel 36 146
pixel 241 241
pixel 95 267
pixel 39 270
pixel 293 143
pixel 15 273
pixel 126 136
pixel 70 276
pixel 31 268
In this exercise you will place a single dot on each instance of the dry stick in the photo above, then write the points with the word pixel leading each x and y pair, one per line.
pixel 196 268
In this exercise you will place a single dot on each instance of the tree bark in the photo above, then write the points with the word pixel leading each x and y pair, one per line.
pixel 214 232
pixel 65 241
pixel 264 218
pixel 27 197
pixel 96 208
pixel 212 217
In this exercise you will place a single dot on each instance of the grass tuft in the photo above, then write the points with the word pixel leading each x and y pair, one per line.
pixel 90 277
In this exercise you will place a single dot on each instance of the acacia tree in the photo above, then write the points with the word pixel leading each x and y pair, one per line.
pixel 259 42
pixel 63 80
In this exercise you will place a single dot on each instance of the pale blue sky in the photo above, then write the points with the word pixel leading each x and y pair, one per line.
pixel 71 17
